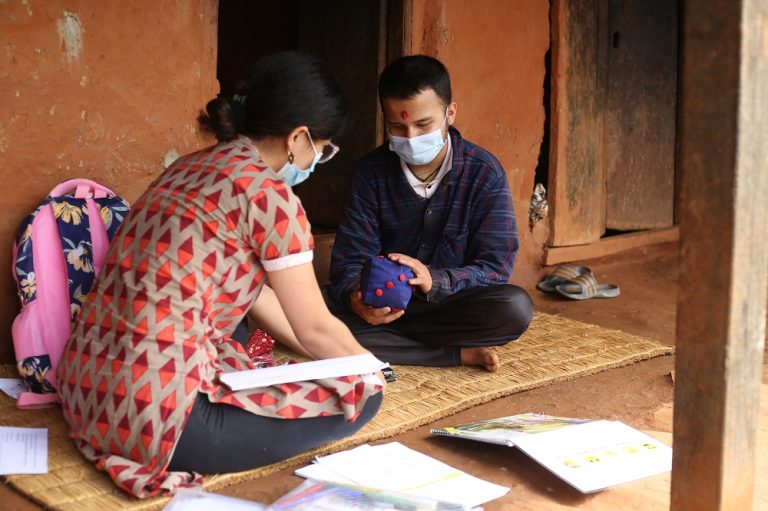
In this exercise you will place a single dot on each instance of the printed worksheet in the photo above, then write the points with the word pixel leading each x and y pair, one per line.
pixel 23 450
pixel 599 454
pixel 395 467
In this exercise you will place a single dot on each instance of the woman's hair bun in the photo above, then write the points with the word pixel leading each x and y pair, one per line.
pixel 283 90
pixel 218 118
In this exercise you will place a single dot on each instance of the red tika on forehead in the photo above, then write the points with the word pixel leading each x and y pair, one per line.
pixel 403 115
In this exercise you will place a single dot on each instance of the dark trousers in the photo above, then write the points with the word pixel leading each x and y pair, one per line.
pixel 220 438
pixel 432 334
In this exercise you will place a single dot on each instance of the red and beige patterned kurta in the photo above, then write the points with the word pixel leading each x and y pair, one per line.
pixel 182 271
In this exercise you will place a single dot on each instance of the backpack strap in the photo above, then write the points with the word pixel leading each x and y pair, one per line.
pixel 83 191
pixel 89 190
pixel 83 188
pixel 99 237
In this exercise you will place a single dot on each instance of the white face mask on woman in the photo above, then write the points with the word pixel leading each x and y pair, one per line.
pixel 419 150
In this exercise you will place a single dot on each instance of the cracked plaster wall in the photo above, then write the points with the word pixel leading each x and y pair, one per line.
pixel 102 90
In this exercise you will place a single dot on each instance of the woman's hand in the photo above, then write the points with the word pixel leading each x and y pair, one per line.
pixel 374 316
pixel 421 276
pixel 383 379
pixel 320 333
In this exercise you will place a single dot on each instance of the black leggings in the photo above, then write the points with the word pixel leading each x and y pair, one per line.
pixel 432 334
pixel 220 438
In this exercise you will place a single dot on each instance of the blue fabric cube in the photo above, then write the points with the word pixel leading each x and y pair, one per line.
pixel 384 283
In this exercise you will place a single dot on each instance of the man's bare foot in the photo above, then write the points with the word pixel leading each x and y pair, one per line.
pixel 484 357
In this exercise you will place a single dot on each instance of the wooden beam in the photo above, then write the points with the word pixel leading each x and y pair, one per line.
pixel 609 245
pixel 723 244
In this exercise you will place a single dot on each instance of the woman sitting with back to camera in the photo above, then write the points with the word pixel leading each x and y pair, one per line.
pixel 138 378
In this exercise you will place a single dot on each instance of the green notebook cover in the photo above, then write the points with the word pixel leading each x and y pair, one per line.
pixel 504 430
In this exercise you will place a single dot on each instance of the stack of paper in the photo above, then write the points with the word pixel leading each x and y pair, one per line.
pixel 394 467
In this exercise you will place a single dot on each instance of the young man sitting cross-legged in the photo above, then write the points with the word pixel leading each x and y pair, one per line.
pixel 440 205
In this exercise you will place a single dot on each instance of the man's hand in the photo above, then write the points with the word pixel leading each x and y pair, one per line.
pixel 373 316
pixel 421 276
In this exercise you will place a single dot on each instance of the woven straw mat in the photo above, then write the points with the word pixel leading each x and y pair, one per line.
pixel 554 349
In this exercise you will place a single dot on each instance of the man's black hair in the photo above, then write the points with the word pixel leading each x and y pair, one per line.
pixel 406 77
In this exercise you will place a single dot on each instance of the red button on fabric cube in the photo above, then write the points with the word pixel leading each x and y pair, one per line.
pixel 384 283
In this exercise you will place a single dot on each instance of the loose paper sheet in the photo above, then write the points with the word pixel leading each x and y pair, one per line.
pixel 23 450
pixel 12 387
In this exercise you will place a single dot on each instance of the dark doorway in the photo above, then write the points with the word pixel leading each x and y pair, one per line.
pixel 350 36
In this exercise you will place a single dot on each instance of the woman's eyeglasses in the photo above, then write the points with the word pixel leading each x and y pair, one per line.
pixel 329 150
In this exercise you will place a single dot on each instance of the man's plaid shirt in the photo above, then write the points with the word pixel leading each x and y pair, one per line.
pixel 465 234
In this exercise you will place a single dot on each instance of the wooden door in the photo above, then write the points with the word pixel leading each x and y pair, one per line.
pixel 576 172
pixel 612 126
pixel 640 113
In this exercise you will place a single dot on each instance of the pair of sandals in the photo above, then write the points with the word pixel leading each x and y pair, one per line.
pixel 576 283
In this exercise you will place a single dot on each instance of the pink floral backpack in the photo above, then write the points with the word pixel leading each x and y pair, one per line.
pixel 58 251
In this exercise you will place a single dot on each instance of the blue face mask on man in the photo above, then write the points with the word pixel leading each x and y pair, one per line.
pixel 419 150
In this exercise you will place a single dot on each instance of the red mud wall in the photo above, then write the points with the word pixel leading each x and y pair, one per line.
pixel 103 90
pixel 494 50
pixel 110 91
